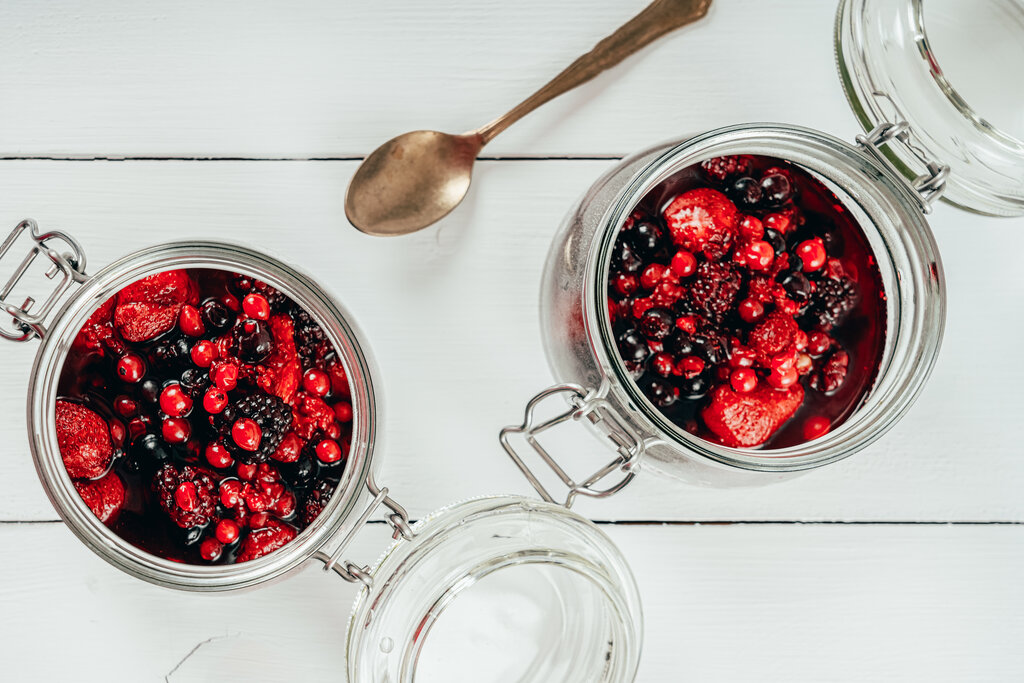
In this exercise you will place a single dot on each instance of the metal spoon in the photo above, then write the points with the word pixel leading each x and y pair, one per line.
pixel 416 179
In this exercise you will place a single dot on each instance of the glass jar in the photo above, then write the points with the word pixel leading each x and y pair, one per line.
pixel 514 554
pixel 923 142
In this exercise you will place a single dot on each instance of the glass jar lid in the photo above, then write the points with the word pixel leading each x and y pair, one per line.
pixel 947 68
pixel 498 589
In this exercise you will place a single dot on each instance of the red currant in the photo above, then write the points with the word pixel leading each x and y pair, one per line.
pixel 210 549
pixel 185 496
pixel 131 368
pixel 204 353
pixel 684 264
pixel 751 228
pixel 316 382
pixel 750 310
pixel 190 322
pixel 818 343
pixel 226 376
pixel 759 255
pixel 175 402
pixel 812 253
pixel 227 531
pixel 229 490
pixel 816 426
pixel 343 411
pixel 256 306
pixel 783 378
pixel 246 434
pixel 690 366
pixel 215 400
pixel 176 430
pixel 663 364
pixel 652 275
pixel 246 472
pixel 625 283
pixel 328 451
pixel 743 380
pixel 125 406
pixel 218 456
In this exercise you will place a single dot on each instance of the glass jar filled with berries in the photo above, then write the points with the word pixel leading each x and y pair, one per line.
pixel 206 418
pixel 747 303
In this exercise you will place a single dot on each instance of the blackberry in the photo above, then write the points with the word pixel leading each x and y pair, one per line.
pixel 273 416
pixel 723 168
pixel 200 503
pixel 831 303
pixel 310 339
pixel 715 288
pixel 316 500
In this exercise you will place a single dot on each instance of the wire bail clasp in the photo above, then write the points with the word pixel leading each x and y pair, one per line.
pixel 28 317
pixel 583 405
pixel 927 187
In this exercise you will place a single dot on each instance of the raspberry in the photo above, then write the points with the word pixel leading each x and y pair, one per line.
pixel 97 329
pixel 312 416
pixel 103 496
pixel 316 500
pixel 702 220
pixel 84 440
pixel 714 289
pixel 273 417
pixel 774 334
pixel 202 495
pixel 724 168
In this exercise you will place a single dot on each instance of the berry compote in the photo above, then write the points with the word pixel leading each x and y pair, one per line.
pixel 204 416
pixel 747 304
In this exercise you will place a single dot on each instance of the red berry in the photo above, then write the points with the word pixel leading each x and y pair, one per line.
pixel 812 253
pixel 663 364
pixel 652 275
pixel 229 491
pixel 328 451
pixel 289 450
pixel 816 426
pixel 190 322
pixel 175 402
pixel 642 305
pixel 231 302
pixel 256 306
pixel 226 376
pixel 176 430
pixel 117 433
pixel 818 343
pixel 743 380
pixel 690 366
pixel 215 400
pixel 131 368
pixel 246 434
pixel 227 531
pixel 285 505
pixel 343 411
pixel 204 353
pixel 210 549
pixel 185 496
pixel 751 228
pixel 750 310
pixel 334 431
pixel 687 324
pixel 316 382
pixel 625 283
pixel 246 472
pixel 218 456
pixel 125 407
pixel 783 378
pixel 759 255
pixel 684 263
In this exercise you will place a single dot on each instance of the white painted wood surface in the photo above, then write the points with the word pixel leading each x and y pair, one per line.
pixel 451 318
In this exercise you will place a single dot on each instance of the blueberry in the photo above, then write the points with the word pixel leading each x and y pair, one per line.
pixel 149 449
pixel 254 341
pixel 661 393
pixel 633 347
pixel 623 258
pixel 150 390
pixel 694 388
pixel 216 316
pixel 680 345
pixel 797 286
pixel 775 239
pixel 776 189
pixel 657 323
pixel 645 238
pixel 746 192
pixel 195 382
pixel 299 474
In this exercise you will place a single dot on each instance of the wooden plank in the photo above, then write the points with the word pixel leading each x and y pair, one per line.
pixel 316 78
pixel 451 316
pixel 759 603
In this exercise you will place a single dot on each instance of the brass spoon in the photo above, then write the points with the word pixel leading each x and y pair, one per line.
pixel 416 179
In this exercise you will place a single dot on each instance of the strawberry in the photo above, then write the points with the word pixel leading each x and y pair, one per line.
pixel 284 370
pixel 750 419
pixel 275 534
pixel 84 441
pixel 103 496
pixel 150 307
pixel 97 329
pixel 702 220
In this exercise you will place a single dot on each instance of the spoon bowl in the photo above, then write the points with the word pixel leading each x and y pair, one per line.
pixel 411 181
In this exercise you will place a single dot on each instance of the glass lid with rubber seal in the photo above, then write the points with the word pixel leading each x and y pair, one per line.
pixel 950 71
pixel 498 589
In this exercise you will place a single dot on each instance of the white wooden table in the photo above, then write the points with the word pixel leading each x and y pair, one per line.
pixel 130 123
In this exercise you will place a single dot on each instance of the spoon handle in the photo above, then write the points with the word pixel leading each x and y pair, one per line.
pixel 657 19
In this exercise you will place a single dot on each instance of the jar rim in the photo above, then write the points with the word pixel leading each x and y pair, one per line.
pixel 409 595
pixel 916 317
pixel 49 362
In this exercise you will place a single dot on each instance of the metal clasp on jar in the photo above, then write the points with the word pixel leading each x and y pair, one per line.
pixel 398 519
pixel 928 187
pixel 29 316
pixel 598 411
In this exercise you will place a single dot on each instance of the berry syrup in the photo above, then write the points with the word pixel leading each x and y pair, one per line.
pixel 224 416
pixel 747 304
